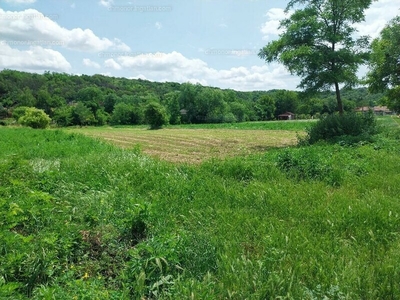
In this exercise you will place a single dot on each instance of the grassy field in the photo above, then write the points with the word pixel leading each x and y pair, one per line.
pixel 84 219
pixel 194 144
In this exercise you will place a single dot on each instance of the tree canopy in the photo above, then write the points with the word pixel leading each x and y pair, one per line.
pixel 318 44
pixel 97 100
pixel 384 72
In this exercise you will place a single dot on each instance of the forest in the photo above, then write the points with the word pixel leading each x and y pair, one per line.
pixel 99 100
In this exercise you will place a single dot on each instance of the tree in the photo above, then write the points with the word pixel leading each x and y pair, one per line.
pixel 173 107
pixel 92 97
pixel 125 114
pixel 155 115
pixel 109 102
pixel 26 98
pixel 239 110
pixel 82 115
pixel 35 118
pixel 384 73
pixel 285 101
pixel 318 44
pixel 63 115
pixel 265 108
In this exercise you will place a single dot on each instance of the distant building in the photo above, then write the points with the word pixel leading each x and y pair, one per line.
pixel 287 116
pixel 377 110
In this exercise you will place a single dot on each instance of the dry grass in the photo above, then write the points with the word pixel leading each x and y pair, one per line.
pixel 193 145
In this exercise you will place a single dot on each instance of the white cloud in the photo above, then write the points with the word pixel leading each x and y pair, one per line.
pixel 112 64
pixel 32 25
pixel 377 16
pixel 35 58
pixel 106 3
pixel 176 67
pixel 89 63
pixel 140 76
pixel 21 1
pixel 271 26
pixel 158 25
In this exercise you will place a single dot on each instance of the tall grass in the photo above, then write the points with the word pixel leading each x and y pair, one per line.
pixel 82 219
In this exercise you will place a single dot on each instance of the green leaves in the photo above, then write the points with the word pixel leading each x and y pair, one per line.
pixel 318 44
pixel 155 115
pixel 35 118
pixel 384 66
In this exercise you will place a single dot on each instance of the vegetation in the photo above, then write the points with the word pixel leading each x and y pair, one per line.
pixel 31 117
pixel 98 100
pixel 318 44
pixel 155 115
pixel 197 143
pixel 384 71
pixel 347 128
pixel 86 220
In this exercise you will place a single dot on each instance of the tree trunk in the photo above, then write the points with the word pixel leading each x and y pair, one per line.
pixel 338 98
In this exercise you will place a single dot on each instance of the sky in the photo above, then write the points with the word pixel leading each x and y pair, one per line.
pixel 211 42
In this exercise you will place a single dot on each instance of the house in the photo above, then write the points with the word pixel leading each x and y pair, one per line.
pixel 377 110
pixel 287 116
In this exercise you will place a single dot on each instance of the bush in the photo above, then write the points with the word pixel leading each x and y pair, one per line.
pixel 18 112
pixel 35 118
pixel 155 115
pixel 348 128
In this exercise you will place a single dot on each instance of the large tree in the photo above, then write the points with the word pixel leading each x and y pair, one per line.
pixel 318 44
pixel 384 73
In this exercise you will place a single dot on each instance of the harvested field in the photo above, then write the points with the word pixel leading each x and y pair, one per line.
pixel 193 145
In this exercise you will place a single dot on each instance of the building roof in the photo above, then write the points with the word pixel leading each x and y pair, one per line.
pixel 286 114
pixel 374 109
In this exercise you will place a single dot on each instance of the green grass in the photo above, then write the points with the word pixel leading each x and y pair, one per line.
pixel 295 125
pixel 83 219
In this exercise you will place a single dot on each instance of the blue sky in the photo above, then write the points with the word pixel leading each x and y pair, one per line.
pixel 212 42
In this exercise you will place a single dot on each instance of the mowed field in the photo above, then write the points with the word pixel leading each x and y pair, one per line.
pixel 193 145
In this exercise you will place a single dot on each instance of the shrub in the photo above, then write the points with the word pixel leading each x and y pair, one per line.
pixel 155 115
pixel 18 112
pixel 348 128
pixel 35 118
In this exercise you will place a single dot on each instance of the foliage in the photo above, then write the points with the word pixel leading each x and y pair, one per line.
pixel 155 115
pixel 348 128
pixel 384 63
pixel 265 108
pixel 35 118
pixel 393 96
pixel 317 44
pixel 19 111
pixel 82 115
pixel 63 116
pixel 125 114
pixel 91 100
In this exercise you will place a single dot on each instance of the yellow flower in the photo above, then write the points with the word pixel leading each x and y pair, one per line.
pixel 86 276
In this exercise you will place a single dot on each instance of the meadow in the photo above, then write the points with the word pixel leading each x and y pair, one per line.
pixel 197 143
pixel 83 218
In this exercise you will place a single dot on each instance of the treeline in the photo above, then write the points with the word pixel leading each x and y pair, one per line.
pixel 99 100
